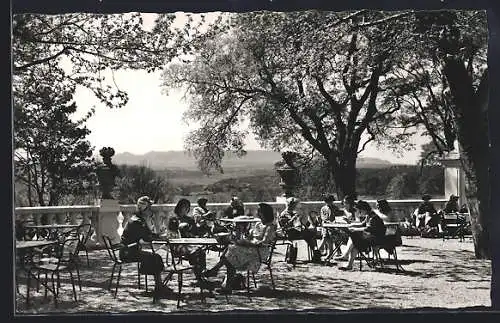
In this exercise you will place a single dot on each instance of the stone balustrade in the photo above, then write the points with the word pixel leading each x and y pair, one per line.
pixel 112 223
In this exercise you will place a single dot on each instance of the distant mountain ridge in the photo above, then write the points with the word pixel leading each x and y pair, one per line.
pixel 255 159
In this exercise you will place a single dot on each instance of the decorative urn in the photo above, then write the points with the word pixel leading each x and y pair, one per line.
pixel 106 173
pixel 288 173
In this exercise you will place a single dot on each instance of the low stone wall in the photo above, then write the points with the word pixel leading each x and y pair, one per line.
pixel 105 220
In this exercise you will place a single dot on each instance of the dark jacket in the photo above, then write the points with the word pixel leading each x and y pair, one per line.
pixel 451 206
pixel 135 229
pixel 235 211
pixel 426 207
pixel 191 230
pixel 374 225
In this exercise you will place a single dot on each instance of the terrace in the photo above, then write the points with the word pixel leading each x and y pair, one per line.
pixel 439 274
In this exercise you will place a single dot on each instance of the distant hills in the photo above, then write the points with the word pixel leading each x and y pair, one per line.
pixel 254 159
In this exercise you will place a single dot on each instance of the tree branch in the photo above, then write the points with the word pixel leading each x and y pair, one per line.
pixel 41 61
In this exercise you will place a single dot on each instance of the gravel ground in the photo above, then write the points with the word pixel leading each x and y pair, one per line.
pixel 439 275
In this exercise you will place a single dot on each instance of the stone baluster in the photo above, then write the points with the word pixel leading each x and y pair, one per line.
pixel 37 218
pixel 72 216
pixel 125 216
pixel 161 220
pixel 60 217
pixel 94 221
pixel 51 218
pixel 87 217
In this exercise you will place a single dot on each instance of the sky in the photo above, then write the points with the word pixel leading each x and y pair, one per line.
pixel 152 120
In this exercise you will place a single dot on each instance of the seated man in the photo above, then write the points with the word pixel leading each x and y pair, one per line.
pixel 136 230
pixel 451 205
pixel 298 226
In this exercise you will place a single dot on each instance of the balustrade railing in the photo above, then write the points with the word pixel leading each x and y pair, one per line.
pixel 78 214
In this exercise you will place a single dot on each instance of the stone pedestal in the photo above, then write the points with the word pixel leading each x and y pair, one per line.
pixel 454 176
pixel 107 221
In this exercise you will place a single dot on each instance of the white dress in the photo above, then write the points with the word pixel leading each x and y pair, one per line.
pixel 247 257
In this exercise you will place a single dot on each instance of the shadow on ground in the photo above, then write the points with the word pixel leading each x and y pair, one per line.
pixel 438 276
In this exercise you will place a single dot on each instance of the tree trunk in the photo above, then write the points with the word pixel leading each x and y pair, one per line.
pixel 478 204
pixel 472 129
pixel 345 178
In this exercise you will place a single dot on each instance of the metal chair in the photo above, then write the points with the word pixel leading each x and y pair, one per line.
pixel 65 261
pixel 177 268
pixel 84 233
pixel 452 225
pixel 267 262
pixel 389 242
pixel 113 252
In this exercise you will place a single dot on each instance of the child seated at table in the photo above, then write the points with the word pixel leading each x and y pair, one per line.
pixel 247 254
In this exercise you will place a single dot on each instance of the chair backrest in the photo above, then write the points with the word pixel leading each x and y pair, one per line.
pixel 175 256
pixel 69 234
pixel 110 248
pixel 272 246
pixel 85 231
pixel 67 251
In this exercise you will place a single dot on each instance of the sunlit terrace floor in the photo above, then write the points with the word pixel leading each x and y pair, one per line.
pixel 439 275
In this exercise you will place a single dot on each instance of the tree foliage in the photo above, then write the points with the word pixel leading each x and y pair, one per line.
pixel 84 49
pixel 307 81
pixel 52 155
pixel 136 181
pixel 53 55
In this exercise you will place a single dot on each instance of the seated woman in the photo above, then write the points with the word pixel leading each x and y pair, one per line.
pixel 363 235
pixel 299 226
pixel 187 225
pixel 246 254
pixel 349 203
pixel 194 254
pixel 384 211
pixel 135 230
pixel 331 239
pixel 426 216
pixel 203 218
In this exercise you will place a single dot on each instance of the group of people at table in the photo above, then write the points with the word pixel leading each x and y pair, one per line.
pixel 361 226
pixel 429 221
pixel 245 251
